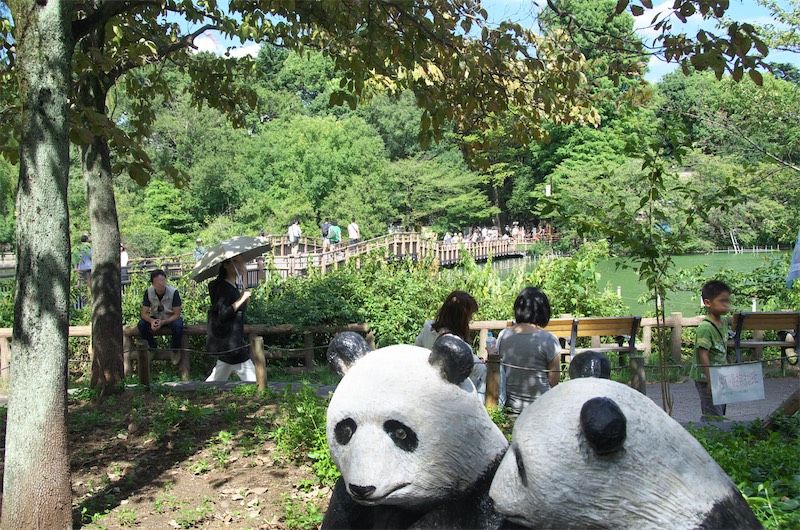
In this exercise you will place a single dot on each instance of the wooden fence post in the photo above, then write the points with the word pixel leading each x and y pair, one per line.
pixel 647 341
pixel 143 362
pixel 257 353
pixel 638 375
pixel 308 347
pixel 676 337
pixel 758 351
pixel 5 361
pixel 185 358
pixel 261 273
pixel 492 380
pixel 127 353
pixel 483 334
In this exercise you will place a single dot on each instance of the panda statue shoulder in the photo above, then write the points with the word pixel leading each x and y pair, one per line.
pixel 415 446
pixel 620 459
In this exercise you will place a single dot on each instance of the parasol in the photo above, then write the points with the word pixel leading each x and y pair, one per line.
pixel 249 248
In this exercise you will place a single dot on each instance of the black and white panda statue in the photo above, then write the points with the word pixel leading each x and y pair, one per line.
pixel 593 453
pixel 411 438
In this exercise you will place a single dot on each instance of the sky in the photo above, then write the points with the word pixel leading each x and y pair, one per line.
pixel 523 12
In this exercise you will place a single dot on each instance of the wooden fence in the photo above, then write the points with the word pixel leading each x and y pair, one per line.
pixel 310 335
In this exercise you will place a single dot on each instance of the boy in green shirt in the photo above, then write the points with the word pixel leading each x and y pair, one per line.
pixel 710 346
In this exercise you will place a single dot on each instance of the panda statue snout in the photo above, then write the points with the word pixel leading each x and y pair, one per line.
pixel 360 492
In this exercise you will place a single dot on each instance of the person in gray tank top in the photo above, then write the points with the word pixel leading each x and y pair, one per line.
pixel 530 364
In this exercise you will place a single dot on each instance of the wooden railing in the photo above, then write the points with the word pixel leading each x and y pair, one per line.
pixel 309 335
pixel 676 323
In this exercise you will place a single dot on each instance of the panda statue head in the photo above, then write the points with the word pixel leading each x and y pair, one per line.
pixel 593 453
pixel 590 364
pixel 405 426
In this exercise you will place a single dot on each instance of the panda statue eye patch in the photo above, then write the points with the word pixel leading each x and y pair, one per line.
pixel 344 430
pixel 523 477
pixel 402 435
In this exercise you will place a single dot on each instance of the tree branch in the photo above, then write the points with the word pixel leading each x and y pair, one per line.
pixel 731 128
pixel 106 11
pixel 163 52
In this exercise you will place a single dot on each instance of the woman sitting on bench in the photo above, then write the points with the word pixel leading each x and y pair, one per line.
pixel 530 364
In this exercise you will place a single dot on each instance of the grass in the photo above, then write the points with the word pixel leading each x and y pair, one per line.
pixel 764 466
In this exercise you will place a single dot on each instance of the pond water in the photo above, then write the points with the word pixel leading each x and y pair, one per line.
pixel 631 288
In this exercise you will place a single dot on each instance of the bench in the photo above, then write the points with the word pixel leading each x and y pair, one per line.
pixel 569 330
pixel 618 327
pixel 761 321
pixel 182 358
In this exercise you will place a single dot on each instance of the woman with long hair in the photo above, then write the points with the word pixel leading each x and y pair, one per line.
pixel 226 323
pixel 530 363
pixel 453 318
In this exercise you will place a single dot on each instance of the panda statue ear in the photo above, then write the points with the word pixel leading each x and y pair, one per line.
pixel 453 357
pixel 604 425
pixel 345 349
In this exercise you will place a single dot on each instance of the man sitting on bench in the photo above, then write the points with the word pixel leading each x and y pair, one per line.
pixel 161 307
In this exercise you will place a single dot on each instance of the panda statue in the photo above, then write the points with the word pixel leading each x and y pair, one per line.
pixel 407 430
pixel 590 364
pixel 593 453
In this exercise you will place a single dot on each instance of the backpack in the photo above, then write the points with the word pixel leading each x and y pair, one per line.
pixel 334 233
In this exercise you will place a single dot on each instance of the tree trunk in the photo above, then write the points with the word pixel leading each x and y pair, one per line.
pixel 36 481
pixel 107 364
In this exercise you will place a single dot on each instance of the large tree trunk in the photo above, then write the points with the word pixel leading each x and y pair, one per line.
pixel 107 364
pixel 36 481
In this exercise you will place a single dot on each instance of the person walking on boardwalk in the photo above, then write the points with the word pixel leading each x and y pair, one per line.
pixel 334 235
pixel 294 236
pixel 353 232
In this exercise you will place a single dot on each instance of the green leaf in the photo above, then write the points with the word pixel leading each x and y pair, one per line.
pixel 755 75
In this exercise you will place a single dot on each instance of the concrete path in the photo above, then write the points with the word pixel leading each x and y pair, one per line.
pixel 686 403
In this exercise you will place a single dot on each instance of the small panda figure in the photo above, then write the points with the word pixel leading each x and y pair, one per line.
pixel 593 453
pixel 415 446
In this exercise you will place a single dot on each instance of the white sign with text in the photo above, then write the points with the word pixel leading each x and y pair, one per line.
pixel 735 383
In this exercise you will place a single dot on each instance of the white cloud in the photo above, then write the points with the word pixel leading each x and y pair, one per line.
pixel 207 43
pixel 243 51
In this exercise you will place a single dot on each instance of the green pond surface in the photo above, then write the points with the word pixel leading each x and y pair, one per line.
pixel 686 303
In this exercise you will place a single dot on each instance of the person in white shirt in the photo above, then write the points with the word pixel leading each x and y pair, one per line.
pixel 294 236
pixel 123 257
pixel 353 233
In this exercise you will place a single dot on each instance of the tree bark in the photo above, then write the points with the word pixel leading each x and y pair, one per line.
pixel 36 481
pixel 107 364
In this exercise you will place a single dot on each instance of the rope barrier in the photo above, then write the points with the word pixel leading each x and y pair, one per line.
pixel 271 349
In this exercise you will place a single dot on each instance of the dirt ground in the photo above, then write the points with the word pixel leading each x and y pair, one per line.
pixel 186 460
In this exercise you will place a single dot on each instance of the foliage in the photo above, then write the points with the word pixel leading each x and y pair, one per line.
pixel 299 433
pixel 572 284
pixel 766 283
pixel 300 513
pixel 500 417
pixel 761 463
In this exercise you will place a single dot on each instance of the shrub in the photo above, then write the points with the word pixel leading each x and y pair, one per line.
pixel 763 464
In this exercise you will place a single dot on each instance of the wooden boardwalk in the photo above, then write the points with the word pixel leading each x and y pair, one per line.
pixel 312 255
pixel 399 245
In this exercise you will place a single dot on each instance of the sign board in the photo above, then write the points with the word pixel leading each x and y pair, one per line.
pixel 735 383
